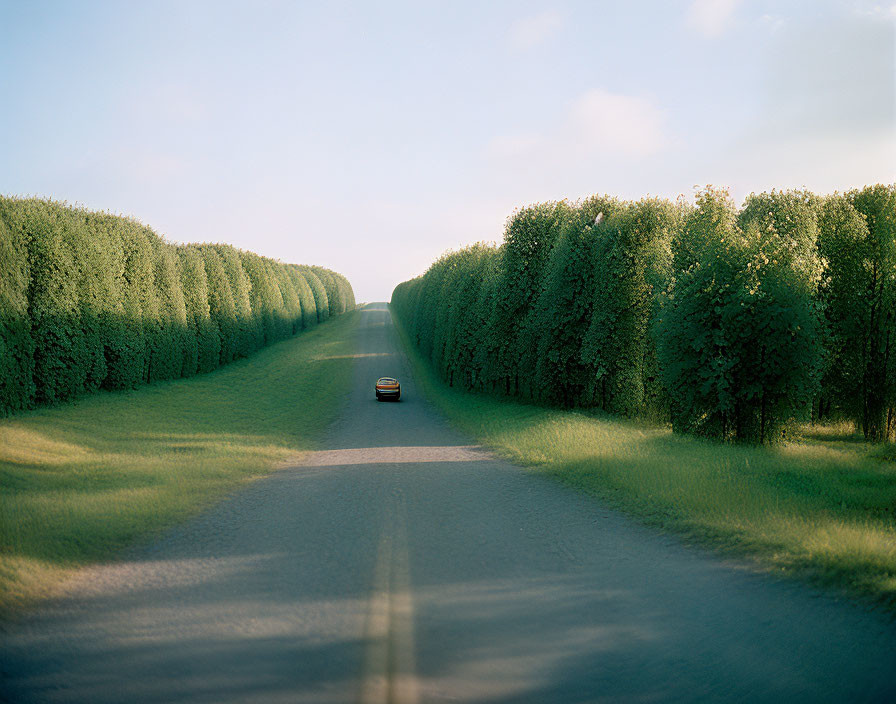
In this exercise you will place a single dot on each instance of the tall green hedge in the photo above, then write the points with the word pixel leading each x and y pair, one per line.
pixel 63 357
pixel 739 341
pixel 203 351
pixel 90 300
pixel 728 323
pixel 529 237
pixel 17 388
pixel 318 292
pixel 565 304
pixel 334 306
pixel 305 295
pixel 858 288
pixel 247 337
pixel 631 269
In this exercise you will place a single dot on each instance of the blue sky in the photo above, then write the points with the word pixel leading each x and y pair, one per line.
pixel 371 137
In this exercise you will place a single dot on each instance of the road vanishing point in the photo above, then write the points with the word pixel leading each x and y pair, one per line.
pixel 402 563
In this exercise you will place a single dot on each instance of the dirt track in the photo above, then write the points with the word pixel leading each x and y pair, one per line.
pixel 402 564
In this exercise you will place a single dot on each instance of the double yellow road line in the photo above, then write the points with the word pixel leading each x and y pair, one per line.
pixel 389 669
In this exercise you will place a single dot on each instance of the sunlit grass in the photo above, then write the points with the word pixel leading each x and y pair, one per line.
pixel 822 506
pixel 79 482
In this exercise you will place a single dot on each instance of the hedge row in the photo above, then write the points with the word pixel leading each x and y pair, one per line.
pixel 90 300
pixel 729 324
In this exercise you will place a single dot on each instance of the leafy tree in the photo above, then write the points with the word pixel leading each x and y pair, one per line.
pixel 246 335
pixel 281 322
pixel 478 323
pixel 90 300
pixel 204 353
pixel 61 359
pixel 426 313
pixel 291 315
pixel 335 305
pixel 141 276
pixel 305 294
pixel 346 292
pixel 878 205
pixel 220 301
pixel 739 343
pixel 793 216
pixel 564 309
pixel 321 303
pixel 17 387
pixel 167 352
pixel 264 299
pixel 98 288
pixel 711 313
pixel 405 298
pixel 631 268
pixel 529 237
pixel 464 319
pixel 124 337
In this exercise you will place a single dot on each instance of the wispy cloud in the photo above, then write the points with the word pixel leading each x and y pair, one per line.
pixel 529 32
pixel 711 17
pixel 885 11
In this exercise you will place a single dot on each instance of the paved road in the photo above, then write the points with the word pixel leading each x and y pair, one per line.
pixel 403 564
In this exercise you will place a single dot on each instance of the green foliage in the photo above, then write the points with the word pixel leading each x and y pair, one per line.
pixel 305 294
pixel 529 237
pixel 202 348
pixel 103 294
pixel 842 244
pixel 17 387
pixel 167 355
pixel 739 341
pixel 335 304
pixel 281 319
pixel 564 308
pixel 247 336
pixel 139 272
pixel 857 243
pixel 793 216
pixel 478 319
pixel 878 205
pixel 264 298
pixel 97 286
pixel 340 297
pixel 321 304
pixel 723 321
pixel 631 270
pixel 291 314
pixel 466 316
pixel 220 302
pixel 90 300
pixel 427 308
pixel 62 360
pixel 345 292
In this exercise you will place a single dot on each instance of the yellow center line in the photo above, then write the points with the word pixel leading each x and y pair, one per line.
pixel 389 669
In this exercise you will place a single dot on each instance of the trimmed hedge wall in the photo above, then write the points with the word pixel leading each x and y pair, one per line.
pixel 90 300
pixel 728 323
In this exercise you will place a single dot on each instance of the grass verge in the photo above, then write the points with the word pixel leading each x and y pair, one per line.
pixel 79 482
pixel 821 507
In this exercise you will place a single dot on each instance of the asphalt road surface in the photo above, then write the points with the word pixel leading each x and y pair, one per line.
pixel 404 564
